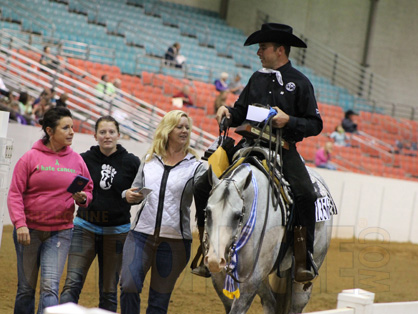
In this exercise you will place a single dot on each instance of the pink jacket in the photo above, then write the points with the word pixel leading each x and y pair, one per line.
pixel 38 197
pixel 321 157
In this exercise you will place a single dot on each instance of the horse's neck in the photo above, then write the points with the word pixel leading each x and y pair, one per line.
pixel 268 231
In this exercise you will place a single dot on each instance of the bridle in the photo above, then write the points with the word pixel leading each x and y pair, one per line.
pixel 234 238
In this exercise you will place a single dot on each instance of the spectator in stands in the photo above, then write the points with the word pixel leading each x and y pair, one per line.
pixel 15 114
pixel 45 94
pixel 62 101
pixel 24 105
pixel 105 90
pixel 101 228
pixel 49 60
pixel 117 83
pixel 42 210
pixel 236 86
pixel 220 100
pixel 42 106
pixel 220 84
pixel 184 94
pixel 339 136
pixel 348 123
pixel 323 157
pixel 54 97
pixel 173 57
pixel 13 96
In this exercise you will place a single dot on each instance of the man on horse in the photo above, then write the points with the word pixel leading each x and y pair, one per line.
pixel 278 85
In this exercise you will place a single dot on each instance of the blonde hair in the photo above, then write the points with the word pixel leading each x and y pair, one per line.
pixel 164 128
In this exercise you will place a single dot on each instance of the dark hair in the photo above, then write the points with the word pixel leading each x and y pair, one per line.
pixel 45 48
pixel 51 119
pixel 23 98
pixel 108 119
pixel 286 48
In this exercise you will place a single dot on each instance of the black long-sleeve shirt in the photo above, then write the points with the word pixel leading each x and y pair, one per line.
pixel 111 175
pixel 295 97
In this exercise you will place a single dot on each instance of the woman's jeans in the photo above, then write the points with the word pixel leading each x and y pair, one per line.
pixel 165 257
pixel 85 245
pixel 47 250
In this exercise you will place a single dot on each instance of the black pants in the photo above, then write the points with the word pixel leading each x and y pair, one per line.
pixel 304 195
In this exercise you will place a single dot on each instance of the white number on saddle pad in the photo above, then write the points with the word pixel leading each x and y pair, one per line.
pixel 323 208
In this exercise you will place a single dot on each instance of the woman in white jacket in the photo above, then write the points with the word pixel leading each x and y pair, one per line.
pixel 161 238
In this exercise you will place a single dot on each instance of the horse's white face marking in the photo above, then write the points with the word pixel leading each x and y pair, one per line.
pixel 224 210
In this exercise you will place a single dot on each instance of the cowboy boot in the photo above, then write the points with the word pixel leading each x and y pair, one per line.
pixel 303 271
pixel 200 270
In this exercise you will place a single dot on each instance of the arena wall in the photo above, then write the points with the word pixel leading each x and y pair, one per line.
pixel 370 208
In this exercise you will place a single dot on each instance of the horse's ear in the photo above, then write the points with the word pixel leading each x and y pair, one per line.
pixel 213 179
pixel 245 182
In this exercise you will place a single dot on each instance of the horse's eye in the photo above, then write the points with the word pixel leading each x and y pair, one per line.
pixel 237 216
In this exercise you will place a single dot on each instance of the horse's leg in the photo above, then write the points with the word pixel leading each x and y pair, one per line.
pixel 282 290
pixel 218 281
pixel 300 297
pixel 247 294
pixel 267 297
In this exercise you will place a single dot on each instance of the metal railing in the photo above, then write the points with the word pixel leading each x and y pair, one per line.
pixel 23 73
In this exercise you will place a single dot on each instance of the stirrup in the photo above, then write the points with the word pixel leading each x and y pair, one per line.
pixel 306 275
pixel 201 271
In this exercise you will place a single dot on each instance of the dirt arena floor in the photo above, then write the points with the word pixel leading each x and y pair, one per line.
pixel 387 269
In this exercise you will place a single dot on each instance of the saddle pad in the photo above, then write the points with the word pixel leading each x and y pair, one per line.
pixel 324 205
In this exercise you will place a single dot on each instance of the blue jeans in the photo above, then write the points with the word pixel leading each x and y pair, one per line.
pixel 165 257
pixel 85 245
pixel 47 250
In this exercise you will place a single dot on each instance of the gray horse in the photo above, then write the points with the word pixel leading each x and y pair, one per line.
pixel 243 239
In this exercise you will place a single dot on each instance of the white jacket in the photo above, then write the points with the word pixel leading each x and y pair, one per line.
pixel 166 211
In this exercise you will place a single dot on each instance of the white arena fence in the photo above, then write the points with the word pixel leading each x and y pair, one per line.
pixel 358 301
pixel 72 308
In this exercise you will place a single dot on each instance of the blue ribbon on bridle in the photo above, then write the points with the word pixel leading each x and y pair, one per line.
pixel 230 290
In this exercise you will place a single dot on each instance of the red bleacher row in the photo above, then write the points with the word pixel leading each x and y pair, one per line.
pixel 158 89
pixel 362 158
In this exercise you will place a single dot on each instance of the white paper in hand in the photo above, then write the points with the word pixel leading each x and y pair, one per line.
pixel 257 114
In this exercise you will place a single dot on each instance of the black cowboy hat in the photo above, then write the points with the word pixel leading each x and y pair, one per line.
pixel 277 33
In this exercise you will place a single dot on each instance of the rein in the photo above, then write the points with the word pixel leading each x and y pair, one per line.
pixel 243 231
pixel 234 247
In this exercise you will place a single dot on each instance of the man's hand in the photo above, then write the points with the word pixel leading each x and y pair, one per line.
pixel 222 112
pixel 23 236
pixel 280 119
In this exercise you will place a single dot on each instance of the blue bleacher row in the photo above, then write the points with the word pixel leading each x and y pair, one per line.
pixel 145 28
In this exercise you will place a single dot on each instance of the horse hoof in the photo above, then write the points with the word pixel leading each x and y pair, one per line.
pixel 201 271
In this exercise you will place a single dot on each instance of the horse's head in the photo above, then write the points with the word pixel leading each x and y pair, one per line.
pixel 224 216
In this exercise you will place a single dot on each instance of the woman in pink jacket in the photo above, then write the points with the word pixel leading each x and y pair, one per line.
pixel 323 157
pixel 42 210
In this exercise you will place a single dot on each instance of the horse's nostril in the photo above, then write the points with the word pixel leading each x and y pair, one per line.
pixel 222 263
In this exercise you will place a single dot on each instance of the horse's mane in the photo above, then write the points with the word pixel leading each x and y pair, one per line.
pixel 229 178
